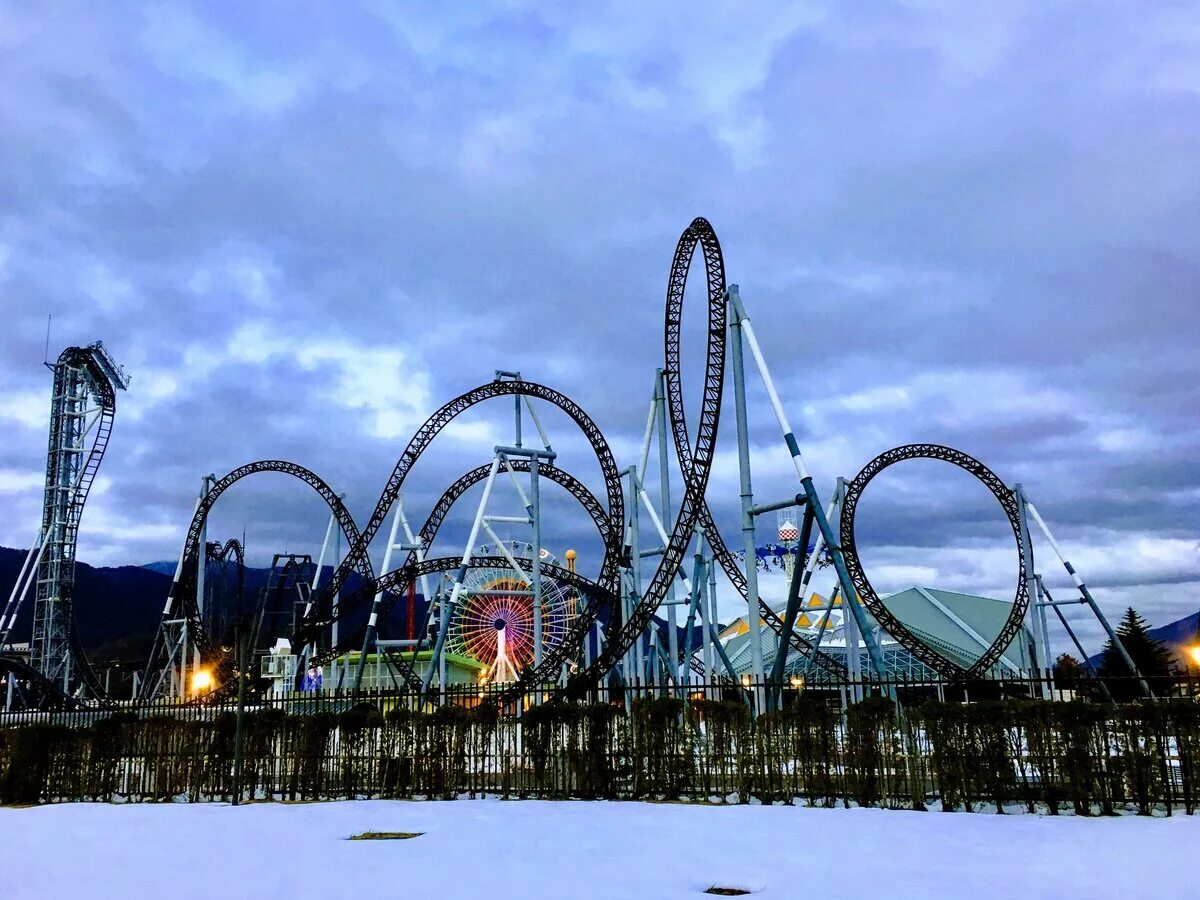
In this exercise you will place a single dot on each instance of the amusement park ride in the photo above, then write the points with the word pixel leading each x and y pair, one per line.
pixel 528 622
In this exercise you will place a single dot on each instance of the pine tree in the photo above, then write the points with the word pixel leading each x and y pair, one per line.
pixel 1067 671
pixel 1151 657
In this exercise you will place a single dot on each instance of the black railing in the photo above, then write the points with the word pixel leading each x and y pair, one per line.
pixel 994 744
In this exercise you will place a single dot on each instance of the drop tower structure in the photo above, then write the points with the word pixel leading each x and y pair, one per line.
pixel 82 408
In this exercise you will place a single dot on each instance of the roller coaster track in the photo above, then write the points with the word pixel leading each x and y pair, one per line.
pixel 219 553
pixel 694 454
pixel 695 461
pixel 1007 499
pixel 424 437
pixel 181 598
pixel 602 592
pixel 39 692
pixel 94 370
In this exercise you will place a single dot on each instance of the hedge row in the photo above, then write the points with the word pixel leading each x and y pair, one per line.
pixel 1045 756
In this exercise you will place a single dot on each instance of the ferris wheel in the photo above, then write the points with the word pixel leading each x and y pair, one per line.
pixel 493 620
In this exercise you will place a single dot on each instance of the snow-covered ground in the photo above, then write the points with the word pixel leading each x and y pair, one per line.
pixel 581 850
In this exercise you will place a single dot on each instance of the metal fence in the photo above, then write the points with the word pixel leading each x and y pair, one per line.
pixel 986 745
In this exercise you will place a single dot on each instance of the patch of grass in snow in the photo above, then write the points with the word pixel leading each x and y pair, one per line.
pixel 726 892
pixel 385 835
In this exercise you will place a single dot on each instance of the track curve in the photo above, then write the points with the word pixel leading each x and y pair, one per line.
pixel 896 628
pixel 181 599
pixel 609 535
pixel 434 425
pixel 694 456
pixel 694 459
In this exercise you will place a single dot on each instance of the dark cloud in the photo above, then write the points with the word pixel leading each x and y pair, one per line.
pixel 301 234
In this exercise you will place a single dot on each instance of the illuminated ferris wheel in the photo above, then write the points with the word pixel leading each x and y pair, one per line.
pixel 493 620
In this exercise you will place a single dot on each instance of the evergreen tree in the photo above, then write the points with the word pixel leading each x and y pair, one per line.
pixel 1067 671
pixel 1151 657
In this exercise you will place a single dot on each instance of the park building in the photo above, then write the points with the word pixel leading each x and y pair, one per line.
pixel 959 626
pixel 379 673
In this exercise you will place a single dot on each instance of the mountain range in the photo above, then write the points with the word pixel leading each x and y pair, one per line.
pixel 118 609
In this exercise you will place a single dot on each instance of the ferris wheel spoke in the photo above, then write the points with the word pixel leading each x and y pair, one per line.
pixel 493 621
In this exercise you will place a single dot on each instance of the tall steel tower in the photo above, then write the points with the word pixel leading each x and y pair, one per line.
pixel 82 408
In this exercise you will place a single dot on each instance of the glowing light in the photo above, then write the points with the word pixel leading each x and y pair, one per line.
pixel 495 614
pixel 1194 653
pixel 797 681
pixel 202 681
pixel 745 681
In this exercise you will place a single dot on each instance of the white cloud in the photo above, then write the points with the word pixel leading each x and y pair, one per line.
pixel 110 536
pixel 494 145
pixel 383 381
pixel 183 45
pixel 877 399
pixel 13 481
pixel 254 280
pixel 30 409
pixel 108 289
pixel 154 385
pixel 477 432
pixel 722 55
pixel 1124 440
pixel 245 276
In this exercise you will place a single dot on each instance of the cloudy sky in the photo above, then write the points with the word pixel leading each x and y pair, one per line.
pixel 975 224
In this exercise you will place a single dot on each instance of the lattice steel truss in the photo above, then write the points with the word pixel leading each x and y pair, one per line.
pixel 82 408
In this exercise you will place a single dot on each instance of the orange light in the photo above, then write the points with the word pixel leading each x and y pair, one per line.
pixel 1194 653
pixel 202 681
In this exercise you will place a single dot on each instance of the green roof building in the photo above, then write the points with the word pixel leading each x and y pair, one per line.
pixel 959 626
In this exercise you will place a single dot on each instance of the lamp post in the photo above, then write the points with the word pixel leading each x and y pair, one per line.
pixel 242 634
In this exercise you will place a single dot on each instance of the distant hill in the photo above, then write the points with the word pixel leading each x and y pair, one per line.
pixel 1181 631
pixel 119 608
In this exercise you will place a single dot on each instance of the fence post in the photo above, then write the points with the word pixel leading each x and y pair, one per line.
pixel 240 730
